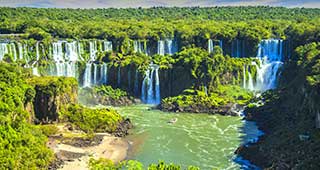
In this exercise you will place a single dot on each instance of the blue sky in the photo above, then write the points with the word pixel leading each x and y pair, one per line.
pixel 150 3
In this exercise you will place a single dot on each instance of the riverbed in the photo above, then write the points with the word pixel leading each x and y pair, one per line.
pixel 206 141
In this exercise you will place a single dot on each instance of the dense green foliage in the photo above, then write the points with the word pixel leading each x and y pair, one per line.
pixel 21 144
pixel 54 85
pixel 110 92
pixel 103 164
pixel 200 101
pixel 92 120
pixel 191 26
pixel 212 69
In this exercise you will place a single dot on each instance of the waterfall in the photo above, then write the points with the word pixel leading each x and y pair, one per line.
pixel 93 50
pixel 87 76
pixel 138 46
pixel 221 44
pixel 161 50
pixel 157 97
pixel 95 73
pixel 150 95
pixel 65 63
pixel 13 50
pixel 270 55
pixel 20 50
pixel 153 92
pixel 37 52
pixel 167 46
pixel 71 51
pixel 144 84
pixel 250 83
pixel 210 46
pixel 57 51
pixel 35 71
pixel 3 50
pixel 244 77
pixel 107 46
pixel 104 74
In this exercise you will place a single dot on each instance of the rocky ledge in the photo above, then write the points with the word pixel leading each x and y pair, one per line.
pixel 228 109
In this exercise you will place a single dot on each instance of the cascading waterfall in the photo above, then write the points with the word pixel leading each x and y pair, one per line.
pixel 244 77
pixel 34 65
pixel 150 94
pixel 87 76
pixel 20 51
pixel 95 73
pixel 65 63
pixel 250 83
pixel 157 88
pixel 104 74
pixel 107 46
pixel 270 55
pixel 211 45
pixel 93 50
pixel 14 51
pixel 138 46
pixel 161 50
pixel 3 50
pixel 167 47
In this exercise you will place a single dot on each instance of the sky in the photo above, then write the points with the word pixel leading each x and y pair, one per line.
pixel 151 3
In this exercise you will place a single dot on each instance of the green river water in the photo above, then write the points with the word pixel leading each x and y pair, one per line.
pixel 206 141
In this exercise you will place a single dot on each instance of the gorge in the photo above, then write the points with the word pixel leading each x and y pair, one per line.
pixel 202 88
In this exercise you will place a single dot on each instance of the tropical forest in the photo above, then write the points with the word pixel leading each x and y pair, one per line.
pixel 160 88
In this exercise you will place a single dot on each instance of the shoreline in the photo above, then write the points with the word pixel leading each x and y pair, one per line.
pixel 111 147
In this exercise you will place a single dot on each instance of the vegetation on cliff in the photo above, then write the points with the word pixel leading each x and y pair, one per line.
pixel 221 100
pixel 104 164
pixel 21 143
pixel 92 120
pixel 105 95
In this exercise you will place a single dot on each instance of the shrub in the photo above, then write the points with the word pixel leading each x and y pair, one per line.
pixel 92 120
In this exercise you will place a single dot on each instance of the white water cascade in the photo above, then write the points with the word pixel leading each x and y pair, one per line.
pixel 107 46
pixel 87 81
pixel 248 82
pixel 139 47
pixel 150 91
pixel 270 55
pixel 211 45
pixel 3 50
pixel 244 77
pixel 65 60
pixel 167 46
pixel 104 74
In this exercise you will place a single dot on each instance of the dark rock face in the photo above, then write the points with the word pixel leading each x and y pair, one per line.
pixel 284 118
pixel 123 128
pixel 51 98
pixel 122 101
pixel 222 110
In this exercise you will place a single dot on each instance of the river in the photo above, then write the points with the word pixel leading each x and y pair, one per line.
pixel 206 141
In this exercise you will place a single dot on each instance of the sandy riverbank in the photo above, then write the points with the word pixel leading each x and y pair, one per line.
pixel 113 148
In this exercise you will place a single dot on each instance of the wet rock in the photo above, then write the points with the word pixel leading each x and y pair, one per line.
pixel 123 128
